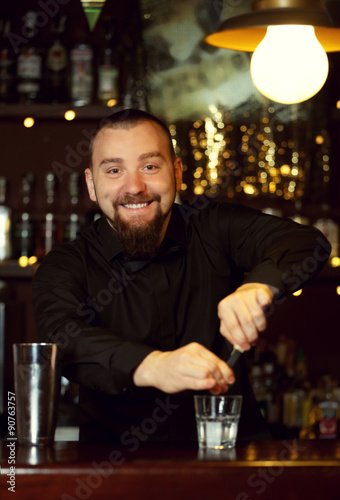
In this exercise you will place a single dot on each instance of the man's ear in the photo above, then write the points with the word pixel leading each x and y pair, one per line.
pixel 90 184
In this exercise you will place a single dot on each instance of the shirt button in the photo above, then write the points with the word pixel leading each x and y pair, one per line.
pixel 124 389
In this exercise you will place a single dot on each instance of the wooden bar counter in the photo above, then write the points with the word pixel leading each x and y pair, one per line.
pixel 263 469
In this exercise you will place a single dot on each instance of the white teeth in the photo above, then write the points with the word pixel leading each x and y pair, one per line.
pixel 136 205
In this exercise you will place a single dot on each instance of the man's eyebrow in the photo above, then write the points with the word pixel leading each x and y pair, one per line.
pixel 152 154
pixel 106 161
pixel 144 156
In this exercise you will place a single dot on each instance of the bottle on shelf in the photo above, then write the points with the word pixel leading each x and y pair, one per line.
pixel 23 234
pixel 82 68
pixel 5 223
pixel 297 396
pixel 256 379
pixel 273 404
pixel 56 67
pixel 7 65
pixel 47 230
pixel 108 74
pixel 135 91
pixel 29 63
pixel 74 221
pixel 327 412
pixel 307 431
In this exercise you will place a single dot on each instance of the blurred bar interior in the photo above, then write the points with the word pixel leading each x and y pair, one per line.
pixel 236 145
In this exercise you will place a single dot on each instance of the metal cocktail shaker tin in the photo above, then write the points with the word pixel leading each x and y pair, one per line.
pixel 37 378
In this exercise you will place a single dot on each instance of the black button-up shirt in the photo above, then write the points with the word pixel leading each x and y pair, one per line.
pixel 107 314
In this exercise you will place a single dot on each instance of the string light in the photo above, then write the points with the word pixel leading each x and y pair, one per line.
pixel 245 159
pixel 28 122
pixel 69 115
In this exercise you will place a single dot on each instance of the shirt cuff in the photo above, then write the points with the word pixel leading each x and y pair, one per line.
pixel 268 274
pixel 125 361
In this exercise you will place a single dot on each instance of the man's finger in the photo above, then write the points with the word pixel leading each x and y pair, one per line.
pixel 218 368
pixel 263 298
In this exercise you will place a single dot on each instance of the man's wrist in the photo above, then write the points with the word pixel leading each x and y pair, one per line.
pixel 143 376
pixel 272 289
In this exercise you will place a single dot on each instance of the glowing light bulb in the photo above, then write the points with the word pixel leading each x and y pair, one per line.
pixel 289 65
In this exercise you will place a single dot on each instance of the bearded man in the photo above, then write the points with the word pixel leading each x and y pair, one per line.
pixel 148 302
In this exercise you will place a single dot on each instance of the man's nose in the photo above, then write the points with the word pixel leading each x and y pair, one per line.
pixel 134 184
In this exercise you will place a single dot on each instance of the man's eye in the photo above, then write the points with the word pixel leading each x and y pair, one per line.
pixel 113 171
pixel 150 167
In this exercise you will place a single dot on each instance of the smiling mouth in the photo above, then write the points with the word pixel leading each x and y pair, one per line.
pixel 136 205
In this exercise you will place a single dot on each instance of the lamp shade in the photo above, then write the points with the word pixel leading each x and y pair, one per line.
pixel 245 32
pixel 289 39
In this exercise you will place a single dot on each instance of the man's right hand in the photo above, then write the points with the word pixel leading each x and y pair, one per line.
pixel 190 367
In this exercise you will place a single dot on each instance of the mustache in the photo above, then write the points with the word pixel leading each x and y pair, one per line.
pixel 142 198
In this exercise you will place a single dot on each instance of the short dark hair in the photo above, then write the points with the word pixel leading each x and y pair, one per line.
pixel 126 118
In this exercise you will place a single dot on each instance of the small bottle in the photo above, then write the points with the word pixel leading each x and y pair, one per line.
pixel 135 92
pixel 294 398
pixel 328 414
pixel 107 88
pixel 73 223
pixel 256 379
pixel 47 234
pixel 273 402
pixel 306 431
pixel 23 234
pixel 81 67
pixel 55 81
pixel 29 64
pixel 7 66
pixel 81 74
pixel 5 224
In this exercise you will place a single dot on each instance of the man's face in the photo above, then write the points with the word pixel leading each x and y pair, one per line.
pixel 134 179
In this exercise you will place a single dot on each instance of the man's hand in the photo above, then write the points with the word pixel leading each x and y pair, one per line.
pixel 242 313
pixel 189 367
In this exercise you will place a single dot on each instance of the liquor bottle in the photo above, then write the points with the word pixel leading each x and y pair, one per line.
pixel 81 74
pixel 73 188
pixel 23 234
pixel 256 378
pixel 272 393
pixel 7 66
pixel 73 223
pixel 135 95
pixel 327 413
pixel 29 63
pixel 307 431
pixel 107 86
pixel 82 67
pixel 47 235
pixel 5 224
pixel 296 397
pixel 55 81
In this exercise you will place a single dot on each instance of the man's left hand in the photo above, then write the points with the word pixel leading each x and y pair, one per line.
pixel 242 313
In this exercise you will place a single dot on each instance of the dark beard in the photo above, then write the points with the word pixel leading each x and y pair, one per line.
pixel 139 242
